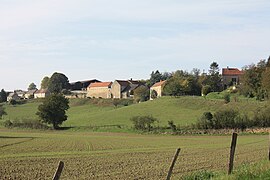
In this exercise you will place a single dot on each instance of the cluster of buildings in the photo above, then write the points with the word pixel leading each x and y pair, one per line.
pixel 121 89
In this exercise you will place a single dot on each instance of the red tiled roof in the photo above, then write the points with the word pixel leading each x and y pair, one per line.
pixel 159 84
pixel 231 71
pixel 100 84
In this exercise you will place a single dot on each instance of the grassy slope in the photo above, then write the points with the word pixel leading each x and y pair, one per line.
pixel 183 111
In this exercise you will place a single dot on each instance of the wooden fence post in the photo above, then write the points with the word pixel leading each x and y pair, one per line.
pixel 58 171
pixel 232 152
pixel 173 163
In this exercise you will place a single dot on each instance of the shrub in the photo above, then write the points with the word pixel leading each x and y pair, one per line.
pixel 143 122
pixel 227 98
pixel 13 102
pixel 172 126
pixel 225 118
pixel 153 94
pixel 205 90
pixel 205 121
pixel 26 123
pixel 262 117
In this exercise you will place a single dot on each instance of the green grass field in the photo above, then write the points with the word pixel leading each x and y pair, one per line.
pixel 35 154
pixel 183 111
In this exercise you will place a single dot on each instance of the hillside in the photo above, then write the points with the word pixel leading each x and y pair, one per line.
pixel 181 110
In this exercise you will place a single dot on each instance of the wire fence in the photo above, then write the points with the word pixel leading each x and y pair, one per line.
pixel 218 158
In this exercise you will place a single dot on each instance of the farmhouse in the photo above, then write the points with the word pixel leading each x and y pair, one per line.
pixel 13 96
pixel 30 94
pixel 99 90
pixel 231 76
pixel 124 89
pixel 42 93
pixel 20 93
pixel 157 89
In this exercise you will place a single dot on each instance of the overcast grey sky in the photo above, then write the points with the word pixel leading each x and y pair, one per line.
pixel 120 39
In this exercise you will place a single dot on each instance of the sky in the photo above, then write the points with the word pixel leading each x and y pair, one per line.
pixel 123 39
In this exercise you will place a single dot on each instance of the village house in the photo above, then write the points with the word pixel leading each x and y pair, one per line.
pixel 231 76
pixel 30 94
pixel 42 93
pixel 99 90
pixel 20 93
pixel 124 89
pixel 13 96
pixel 157 88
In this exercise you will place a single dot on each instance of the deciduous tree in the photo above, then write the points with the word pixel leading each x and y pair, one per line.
pixel 53 110
pixel 3 96
pixel 58 82
pixel 32 86
pixel 45 82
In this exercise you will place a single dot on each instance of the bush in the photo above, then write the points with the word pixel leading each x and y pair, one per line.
pixel 224 119
pixel 153 94
pixel 227 98
pixel 172 126
pixel 205 90
pixel 262 118
pixel 25 123
pixel 205 121
pixel 143 122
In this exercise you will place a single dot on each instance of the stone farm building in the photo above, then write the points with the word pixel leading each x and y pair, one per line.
pixel 99 90
pixel 119 89
pixel 42 93
pixel 231 76
pixel 158 88
pixel 13 96
pixel 123 89
pixel 30 94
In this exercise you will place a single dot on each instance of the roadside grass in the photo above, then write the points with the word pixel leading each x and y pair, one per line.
pixel 257 171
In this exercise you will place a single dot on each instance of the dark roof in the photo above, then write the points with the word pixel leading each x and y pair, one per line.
pixel 85 81
pixel 31 91
pixel 123 83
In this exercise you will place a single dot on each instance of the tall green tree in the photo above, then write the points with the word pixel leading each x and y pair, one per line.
pixel 32 86
pixel 3 96
pixel 213 79
pixel 58 82
pixel 155 77
pixel 173 87
pixel 141 94
pixel 266 81
pixel 252 80
pixel 53 110
pixel 45 82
